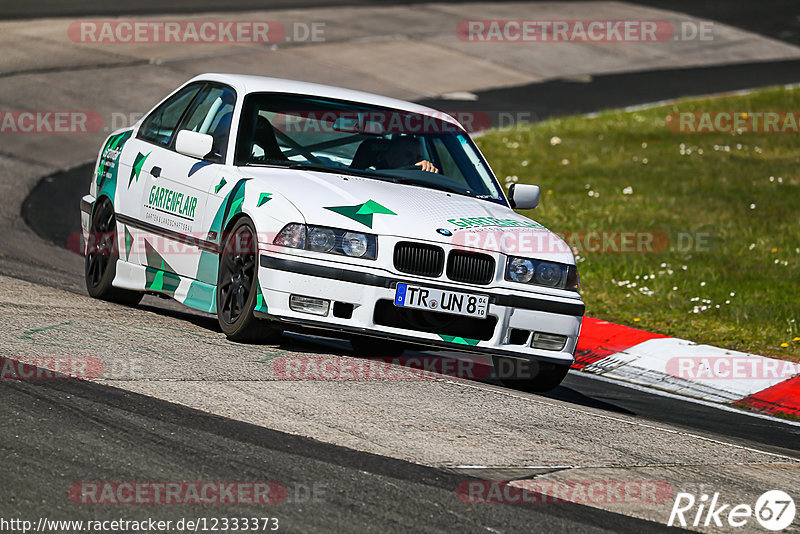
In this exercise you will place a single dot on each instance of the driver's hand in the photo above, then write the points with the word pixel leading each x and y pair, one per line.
pixel 427 166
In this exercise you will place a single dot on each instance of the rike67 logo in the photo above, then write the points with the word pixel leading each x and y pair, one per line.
pixel 774 510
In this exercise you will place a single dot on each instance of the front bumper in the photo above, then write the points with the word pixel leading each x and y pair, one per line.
pixel 366 296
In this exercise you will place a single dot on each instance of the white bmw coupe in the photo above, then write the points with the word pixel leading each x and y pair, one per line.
pixel 278 204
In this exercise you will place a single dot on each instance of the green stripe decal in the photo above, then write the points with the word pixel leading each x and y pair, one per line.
pixel 207 267
pixel 261 305
pixel 155 260
pixel 128 243
pixel 106 175
pixel 161 281
pixel 230 207
pixel 460 340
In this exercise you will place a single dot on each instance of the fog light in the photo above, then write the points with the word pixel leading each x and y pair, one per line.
pixel 548 341
pixel 309 305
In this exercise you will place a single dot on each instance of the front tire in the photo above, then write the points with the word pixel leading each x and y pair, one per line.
pixel 100 266
pixel 529 375
pixel 237 287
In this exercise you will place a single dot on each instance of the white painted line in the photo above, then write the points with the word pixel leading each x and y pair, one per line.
pixel 658 362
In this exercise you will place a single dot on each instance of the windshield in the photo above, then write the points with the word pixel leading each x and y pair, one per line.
pixel 348 137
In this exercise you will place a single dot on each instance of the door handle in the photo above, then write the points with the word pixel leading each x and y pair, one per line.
pixel 155 172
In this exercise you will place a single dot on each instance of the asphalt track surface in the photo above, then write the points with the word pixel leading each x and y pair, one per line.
pixel 774 18
pixel 535 102
pixel 89 432
pixel 65 431
pixel 538 101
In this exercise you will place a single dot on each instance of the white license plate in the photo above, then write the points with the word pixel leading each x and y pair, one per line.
pixel 423 298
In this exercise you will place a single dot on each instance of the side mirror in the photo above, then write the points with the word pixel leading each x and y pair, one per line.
pixel 523 196
pixel 193 144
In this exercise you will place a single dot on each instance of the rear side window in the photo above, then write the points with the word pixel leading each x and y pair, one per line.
pixel 160 126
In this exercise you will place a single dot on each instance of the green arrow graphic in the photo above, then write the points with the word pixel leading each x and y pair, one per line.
pixel 263 199
pixel 362 213
pixel 219 186
pixel 136 170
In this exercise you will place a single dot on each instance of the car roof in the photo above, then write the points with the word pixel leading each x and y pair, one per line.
pixel 247 84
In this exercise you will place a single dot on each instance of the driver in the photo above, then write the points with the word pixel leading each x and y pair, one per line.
pixel 405 151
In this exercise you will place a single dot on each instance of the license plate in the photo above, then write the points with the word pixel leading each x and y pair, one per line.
pixel 423 298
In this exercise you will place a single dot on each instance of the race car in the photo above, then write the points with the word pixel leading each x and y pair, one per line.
pixel 278 205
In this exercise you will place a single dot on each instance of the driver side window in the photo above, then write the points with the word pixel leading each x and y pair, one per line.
pixel 159 127
pixel 212 115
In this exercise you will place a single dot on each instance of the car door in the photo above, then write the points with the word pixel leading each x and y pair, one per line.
pixel 156 130
pixel 176 189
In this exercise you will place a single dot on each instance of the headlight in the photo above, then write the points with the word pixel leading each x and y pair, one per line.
pixel 542 273
pixel 321 239
pixel 550 274
pixel 520 270
pixel 354 244
pixel 328 240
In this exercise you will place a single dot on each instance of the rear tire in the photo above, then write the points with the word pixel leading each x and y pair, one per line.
pixel 100 266
pixel 529 375
pixel 237 287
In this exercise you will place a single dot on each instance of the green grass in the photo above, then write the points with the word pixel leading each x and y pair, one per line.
pixel 696 183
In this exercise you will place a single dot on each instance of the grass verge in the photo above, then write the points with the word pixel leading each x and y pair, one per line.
pixel 728 204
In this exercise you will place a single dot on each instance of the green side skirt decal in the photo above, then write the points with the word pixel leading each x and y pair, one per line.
pixel 202 297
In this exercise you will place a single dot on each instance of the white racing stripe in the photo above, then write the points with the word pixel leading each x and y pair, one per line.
pixel 699 371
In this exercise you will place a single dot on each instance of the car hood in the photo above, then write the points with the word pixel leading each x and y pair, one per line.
pixel 412 212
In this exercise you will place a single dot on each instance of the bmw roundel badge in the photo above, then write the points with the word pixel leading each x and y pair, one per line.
pixel 445 232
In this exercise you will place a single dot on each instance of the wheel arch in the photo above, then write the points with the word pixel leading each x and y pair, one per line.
pixel 235 219
pixel 100 198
